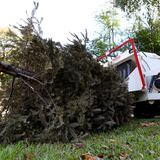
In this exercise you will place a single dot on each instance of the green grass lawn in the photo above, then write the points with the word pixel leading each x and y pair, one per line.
pixel 134 141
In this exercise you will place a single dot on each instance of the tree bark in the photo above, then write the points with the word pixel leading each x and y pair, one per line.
pixel 17 72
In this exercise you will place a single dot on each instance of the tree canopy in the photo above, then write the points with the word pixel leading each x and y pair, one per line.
pixel 135 5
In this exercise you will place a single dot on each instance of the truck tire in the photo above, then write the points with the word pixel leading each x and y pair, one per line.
pixel 144 110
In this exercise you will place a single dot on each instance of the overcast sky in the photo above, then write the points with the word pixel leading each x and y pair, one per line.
pixel 60 16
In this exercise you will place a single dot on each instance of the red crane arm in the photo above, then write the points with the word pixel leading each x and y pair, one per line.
pixel 131 41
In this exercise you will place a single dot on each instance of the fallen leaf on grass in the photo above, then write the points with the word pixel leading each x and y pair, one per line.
pixel 148 124
pixel 123 156
pixel 87 156
pixel 28 156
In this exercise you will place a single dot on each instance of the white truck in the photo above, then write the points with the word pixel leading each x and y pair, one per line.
pixel 141 71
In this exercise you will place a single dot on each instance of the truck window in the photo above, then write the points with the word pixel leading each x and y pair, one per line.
pixel 126 68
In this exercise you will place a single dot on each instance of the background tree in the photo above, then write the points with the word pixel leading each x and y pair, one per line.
pixel 145 15
pixel 7 38
pixel 131 6
pixel 149 39
pixel 109 23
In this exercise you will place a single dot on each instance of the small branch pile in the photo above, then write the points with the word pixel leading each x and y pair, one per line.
pixel 77 96
pixel 68 96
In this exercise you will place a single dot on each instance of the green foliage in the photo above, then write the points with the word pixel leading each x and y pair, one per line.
pixel 149 39
pixel 98 47
pixel 134 5
pixel 146 27
pixel 145 11
pixel 110 25
pixel 109 18
pixel 110 29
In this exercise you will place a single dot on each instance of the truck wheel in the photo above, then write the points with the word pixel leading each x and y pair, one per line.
pixel 144 110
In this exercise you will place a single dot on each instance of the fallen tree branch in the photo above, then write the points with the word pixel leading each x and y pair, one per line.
pixel 19 73
pixel 16 72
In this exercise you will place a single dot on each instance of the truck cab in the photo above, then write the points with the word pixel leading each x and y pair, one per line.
pixel 141 72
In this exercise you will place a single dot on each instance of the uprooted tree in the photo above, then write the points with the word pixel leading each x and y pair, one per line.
pixel 58 93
